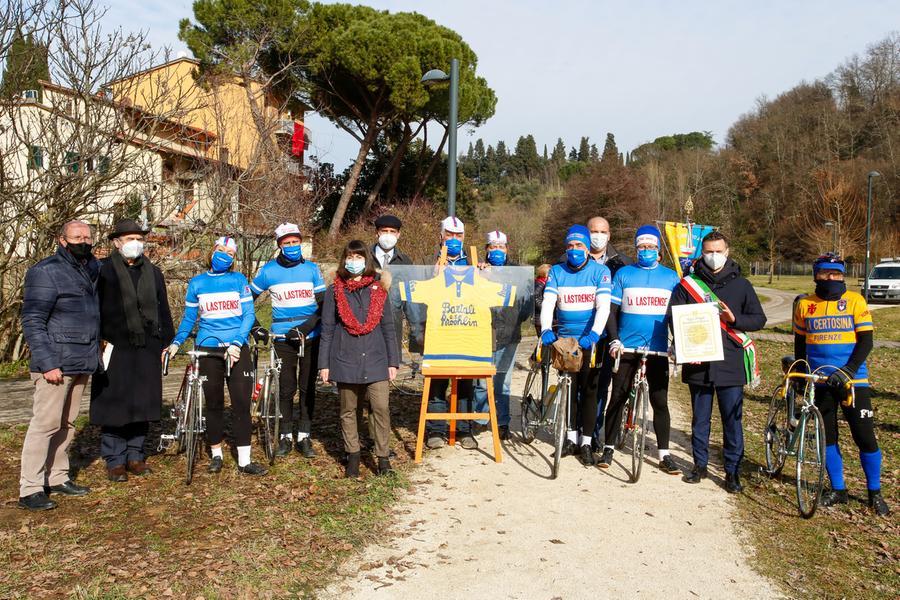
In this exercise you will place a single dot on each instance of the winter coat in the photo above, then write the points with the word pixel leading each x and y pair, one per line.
pixel 397 258
pixel 61 314
pixel 358 359
pixel 739 295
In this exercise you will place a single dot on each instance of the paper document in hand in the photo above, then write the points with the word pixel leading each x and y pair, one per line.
pixel 698 336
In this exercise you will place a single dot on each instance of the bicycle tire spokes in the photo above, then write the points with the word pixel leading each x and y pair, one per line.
pixel 810 461
pixel 639 430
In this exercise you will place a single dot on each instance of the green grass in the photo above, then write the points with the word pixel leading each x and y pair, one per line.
pixel 17 368
pixel 797 284
pixel 842 552
pixel 887 323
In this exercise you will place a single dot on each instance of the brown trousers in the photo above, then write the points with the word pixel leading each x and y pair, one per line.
pixel 351 395
pixel 45 458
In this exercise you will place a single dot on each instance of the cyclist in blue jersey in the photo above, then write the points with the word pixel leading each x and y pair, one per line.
pixel 296 289
pixel 578 293
pixel 833 331
pixel 220 301
pixel 640 297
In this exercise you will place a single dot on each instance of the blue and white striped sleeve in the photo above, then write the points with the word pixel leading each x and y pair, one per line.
pixel 191 311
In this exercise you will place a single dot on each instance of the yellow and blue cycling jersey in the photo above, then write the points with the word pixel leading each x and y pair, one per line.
pixel 830 328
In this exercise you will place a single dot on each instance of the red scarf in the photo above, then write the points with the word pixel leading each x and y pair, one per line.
pixel 376 304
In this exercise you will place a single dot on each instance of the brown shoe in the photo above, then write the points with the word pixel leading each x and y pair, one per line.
pixel 117 473
pixel 139 467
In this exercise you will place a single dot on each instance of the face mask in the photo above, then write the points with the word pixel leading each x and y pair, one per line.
pixel 647 258
pixel 355 265
pixel 454 247
pixel 496 257
pixel 387 241
pixel 576 257
pixel 132 249
pixel 221 261
pixel 828 289
pixel 599 240
pixel 714 260
pixel 292 253
pixel 81 250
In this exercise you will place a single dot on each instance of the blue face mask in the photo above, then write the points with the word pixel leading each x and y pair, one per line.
pixel 576 256
pixel 355 266
pixel 292 253
pixel 496 257
pixel 454 247
pixel 647 258
pixel 221 261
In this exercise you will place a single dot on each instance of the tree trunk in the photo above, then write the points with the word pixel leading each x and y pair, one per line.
pixel 350 186
pixel 434 161
pixel 395 162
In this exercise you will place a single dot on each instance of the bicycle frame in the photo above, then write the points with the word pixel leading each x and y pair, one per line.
pixel 809 400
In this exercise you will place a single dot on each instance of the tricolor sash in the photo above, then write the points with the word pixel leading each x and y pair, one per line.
pixel 700 292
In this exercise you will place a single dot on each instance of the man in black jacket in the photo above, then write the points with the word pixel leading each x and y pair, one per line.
pixel 386 253
pixel 61 323
pixel 740 311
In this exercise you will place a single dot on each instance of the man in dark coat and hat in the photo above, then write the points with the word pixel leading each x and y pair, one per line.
pixel 136 326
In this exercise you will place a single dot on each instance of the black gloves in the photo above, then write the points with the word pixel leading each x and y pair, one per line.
pixel 260 334
pixel 839 379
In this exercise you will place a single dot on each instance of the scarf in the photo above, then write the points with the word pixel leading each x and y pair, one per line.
pixel 376 304
pixel 139 304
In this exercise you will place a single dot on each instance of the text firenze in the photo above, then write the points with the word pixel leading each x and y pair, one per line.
pixel 215 305
pixel 458 315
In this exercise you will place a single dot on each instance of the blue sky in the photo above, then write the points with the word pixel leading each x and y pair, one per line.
pixel 639 69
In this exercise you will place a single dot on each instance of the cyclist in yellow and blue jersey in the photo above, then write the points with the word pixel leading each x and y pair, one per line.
pixel 833 331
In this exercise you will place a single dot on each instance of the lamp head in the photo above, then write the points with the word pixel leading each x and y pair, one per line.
pixel 435 76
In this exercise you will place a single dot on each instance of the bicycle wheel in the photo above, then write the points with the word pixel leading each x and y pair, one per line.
pixel 776 433
pixel 560 421
pixel 531 406
pixel 625 421
pixel 810 462
pixel 268 418
pixel 639 430
pixel 192 428
pixel 181 401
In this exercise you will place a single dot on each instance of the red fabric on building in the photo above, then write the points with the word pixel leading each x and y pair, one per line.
pixel 297 140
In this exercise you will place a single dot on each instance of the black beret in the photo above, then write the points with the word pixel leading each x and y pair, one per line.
pixel 387 221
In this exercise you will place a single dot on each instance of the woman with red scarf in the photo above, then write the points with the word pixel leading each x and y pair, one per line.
pixel 358 349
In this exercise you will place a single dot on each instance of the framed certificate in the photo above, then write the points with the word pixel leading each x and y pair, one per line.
pixel 698 336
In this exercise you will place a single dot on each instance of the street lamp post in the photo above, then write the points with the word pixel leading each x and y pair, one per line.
pixel 434 76
pixel 831 225
pixel 872 174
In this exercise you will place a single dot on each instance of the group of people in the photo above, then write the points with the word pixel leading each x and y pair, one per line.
pixel 112 320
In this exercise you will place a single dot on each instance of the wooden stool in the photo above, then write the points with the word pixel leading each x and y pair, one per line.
pixel 454 374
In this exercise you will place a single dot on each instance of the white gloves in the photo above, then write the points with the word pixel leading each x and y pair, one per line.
pixel 172 350
pixel 233 354
pixel 615 348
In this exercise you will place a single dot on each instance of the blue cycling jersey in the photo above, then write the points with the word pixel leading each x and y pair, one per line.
pixel 224 306
pixel 293 293
pixel 575 293
pixel 643 295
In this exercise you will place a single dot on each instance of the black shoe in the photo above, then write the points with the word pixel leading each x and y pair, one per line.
pixel 696 474
pixel 252 468
pixel 569 448
pixel 384 466
pixel 215 465
pixel 467 441
pixel 733 483
pixel 36 501
pixel 352 468
pixel 606 459
pixel 284 447
pixel 305 448
pixel 69 488
pixel 504 432
pixel 830 497
pixel 586 456
pixel 667 465
pixel 876 501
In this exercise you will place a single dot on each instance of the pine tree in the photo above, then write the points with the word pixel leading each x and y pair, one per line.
pixel 610 151
pixel 546 156
pixel 559 152
pixel 470 155
pixel 595 154
pixel 573 154
pixel 26 65
pixel 584 150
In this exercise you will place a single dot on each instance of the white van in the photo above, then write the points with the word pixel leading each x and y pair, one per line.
pixel 884 281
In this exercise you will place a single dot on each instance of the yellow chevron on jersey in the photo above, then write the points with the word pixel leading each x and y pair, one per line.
pixel 830 328
pixel 458 324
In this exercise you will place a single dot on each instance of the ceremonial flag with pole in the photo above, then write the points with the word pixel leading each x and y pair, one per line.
pixel 683 241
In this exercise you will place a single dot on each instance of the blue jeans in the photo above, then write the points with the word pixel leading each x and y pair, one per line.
pixel 121 444
pixel 504 359
pixel 438 401
pixel 731 407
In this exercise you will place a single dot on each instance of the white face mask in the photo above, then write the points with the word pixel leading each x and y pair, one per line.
pixel 132 249
pixel 715 260
pixel 599 240
pixel 387 241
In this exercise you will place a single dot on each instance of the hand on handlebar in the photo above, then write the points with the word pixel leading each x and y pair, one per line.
pixel 838 380
pixel 172 350
pixel 615 348
pixel 588 341
pixel 260 334
pixel 548 337
pixel 294 335
pixel 233 354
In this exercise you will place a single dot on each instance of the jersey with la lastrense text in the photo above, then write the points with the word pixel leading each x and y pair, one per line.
pixel 830 328
pixel 292 291
pixel 643 295
pixel 576 295
pixel 224 306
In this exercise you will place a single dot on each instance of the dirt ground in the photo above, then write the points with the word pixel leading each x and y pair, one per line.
pixel 486 530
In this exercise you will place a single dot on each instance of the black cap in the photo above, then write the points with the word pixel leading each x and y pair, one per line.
pixel 387 221
pixel 126 226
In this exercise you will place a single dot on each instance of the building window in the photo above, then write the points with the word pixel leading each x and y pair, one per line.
pixel 35 157
pixel 73 161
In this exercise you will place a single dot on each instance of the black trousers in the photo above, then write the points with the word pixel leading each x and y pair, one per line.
pixel 438 402
pixel 657 381
pixel 119 445
pixel 583 412
pixel 297 372
pixel 240 385
pixel 859 417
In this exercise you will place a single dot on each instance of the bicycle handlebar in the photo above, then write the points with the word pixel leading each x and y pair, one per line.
pixel 816 378
pixel 642 352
